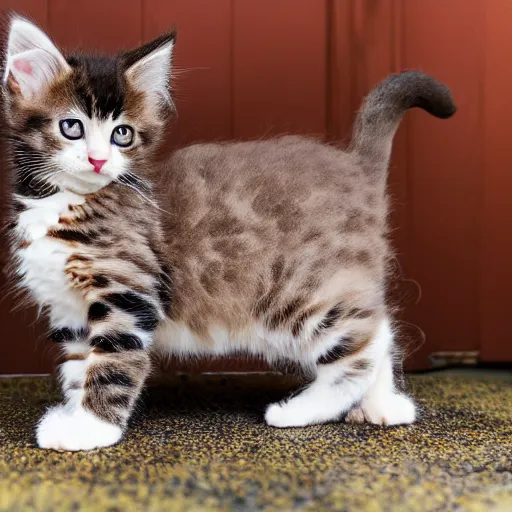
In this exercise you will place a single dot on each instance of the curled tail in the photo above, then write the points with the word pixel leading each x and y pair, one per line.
pixel 384 107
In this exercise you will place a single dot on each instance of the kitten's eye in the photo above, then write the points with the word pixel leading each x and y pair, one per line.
pixel 122 136
pixel 72 129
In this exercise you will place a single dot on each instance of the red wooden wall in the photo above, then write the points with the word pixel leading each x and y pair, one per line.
pixel 248 68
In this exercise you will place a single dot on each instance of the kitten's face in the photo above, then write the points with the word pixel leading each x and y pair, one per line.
pixel 82 122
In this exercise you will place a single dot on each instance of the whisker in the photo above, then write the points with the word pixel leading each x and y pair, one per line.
pixel 141 194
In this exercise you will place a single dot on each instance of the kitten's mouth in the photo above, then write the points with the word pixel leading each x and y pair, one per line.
pixel 95 170
pixel 97 164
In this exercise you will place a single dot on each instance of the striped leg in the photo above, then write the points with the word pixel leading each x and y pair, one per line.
pixel 100 390
pixel 345 374
pixel 105 367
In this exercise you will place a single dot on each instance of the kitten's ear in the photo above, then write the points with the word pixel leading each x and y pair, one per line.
pixel 148 68
pixel 33 61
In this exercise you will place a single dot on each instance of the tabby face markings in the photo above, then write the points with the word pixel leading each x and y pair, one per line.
pixel 96 145
pixel 80 123
pixel 78 156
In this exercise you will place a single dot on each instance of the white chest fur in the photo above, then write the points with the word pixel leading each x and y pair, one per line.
pixel 42 259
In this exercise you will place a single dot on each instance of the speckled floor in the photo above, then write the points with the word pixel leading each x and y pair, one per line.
pixel 200 444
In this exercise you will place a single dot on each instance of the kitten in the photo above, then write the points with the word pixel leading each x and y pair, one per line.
pixel 276 247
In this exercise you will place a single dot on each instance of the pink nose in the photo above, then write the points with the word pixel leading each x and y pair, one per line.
pixel 98 164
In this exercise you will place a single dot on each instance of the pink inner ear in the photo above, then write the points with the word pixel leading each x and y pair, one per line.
pixel 24 66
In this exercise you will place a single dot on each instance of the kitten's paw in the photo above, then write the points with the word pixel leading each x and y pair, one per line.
pixel 284 415
pixel 61 429
pixel 393 409
pixel 356 415
pixel 274 416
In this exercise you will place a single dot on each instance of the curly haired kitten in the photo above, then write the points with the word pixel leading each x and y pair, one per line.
pixel 275 247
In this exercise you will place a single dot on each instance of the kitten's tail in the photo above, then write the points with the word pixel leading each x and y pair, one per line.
pixel 384 107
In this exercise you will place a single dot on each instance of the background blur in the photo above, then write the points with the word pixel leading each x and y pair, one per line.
pixel 253 68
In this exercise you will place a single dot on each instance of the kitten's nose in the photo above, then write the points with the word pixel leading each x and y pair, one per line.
pixel 98 164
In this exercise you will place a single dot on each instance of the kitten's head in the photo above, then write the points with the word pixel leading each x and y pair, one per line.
pixel 80 122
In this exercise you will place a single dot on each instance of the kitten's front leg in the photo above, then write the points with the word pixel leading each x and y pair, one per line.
pixel 105 364
pixel 100 390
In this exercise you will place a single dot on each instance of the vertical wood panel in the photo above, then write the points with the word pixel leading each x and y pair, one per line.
pixel 36 10
pixel 202 65
pixel 445 169
pixel 97 25
pixel 279 62
pixel 340 61
pixel 372 44
pixel 496 277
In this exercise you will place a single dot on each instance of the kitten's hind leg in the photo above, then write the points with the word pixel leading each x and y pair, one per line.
pixel 382 403
pixel 345 373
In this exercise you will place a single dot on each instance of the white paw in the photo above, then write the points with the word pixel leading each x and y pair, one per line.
pixel 274 416
pixel 391 409
pixel 285 415
pixel 73 430
pixel 356 415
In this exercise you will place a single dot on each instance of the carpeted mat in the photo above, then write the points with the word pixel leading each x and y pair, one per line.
pixel 200 444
